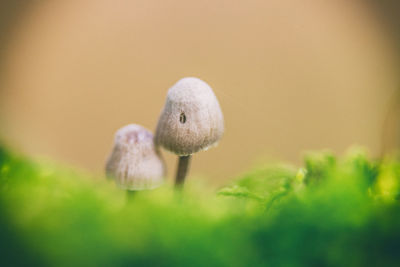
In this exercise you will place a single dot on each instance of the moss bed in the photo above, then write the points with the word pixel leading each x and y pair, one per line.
pixel 331 212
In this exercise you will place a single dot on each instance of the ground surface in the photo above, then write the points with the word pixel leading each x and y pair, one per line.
pixel 331 212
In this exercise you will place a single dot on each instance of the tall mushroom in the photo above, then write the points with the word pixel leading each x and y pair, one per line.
pixel 134 162
pixel 191 121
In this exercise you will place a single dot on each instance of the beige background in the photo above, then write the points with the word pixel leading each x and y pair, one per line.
pixel 290 76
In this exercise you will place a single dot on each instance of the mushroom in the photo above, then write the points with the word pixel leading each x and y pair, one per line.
pixel 134 162
pixel 191 121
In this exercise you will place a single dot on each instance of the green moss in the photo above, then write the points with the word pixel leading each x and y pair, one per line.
pixel 330 212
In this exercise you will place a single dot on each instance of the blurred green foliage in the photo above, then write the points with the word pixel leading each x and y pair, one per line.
pixel 331 212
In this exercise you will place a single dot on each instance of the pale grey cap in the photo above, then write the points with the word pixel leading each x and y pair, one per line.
pixel 191 120
pixel 134 163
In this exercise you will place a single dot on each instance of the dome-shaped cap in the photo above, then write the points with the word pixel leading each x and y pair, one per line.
pixel 191 120
pixel 134 162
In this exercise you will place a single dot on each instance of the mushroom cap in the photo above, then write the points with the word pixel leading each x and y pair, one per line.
pixel 191 120
pixel 134 162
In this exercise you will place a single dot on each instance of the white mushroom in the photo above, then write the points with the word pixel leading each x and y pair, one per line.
pixel 134 162
pixel 191 121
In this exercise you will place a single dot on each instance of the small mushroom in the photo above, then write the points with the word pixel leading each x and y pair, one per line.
pixel 191 121
pixel 134 162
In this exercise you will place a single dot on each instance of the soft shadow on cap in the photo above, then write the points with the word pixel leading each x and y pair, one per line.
pixel 191 120
pixel 134 162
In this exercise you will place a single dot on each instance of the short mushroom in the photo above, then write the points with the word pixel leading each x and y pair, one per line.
pixel 134 163
pixel 191 121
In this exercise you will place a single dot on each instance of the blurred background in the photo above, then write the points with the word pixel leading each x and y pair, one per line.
pixel 290 76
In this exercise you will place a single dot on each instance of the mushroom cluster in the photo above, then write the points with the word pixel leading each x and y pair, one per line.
pixel 190 121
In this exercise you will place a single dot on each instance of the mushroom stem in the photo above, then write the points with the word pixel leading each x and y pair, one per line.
pixel 183 166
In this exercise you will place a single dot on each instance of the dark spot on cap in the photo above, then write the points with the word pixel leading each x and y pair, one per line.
pixel 182 118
